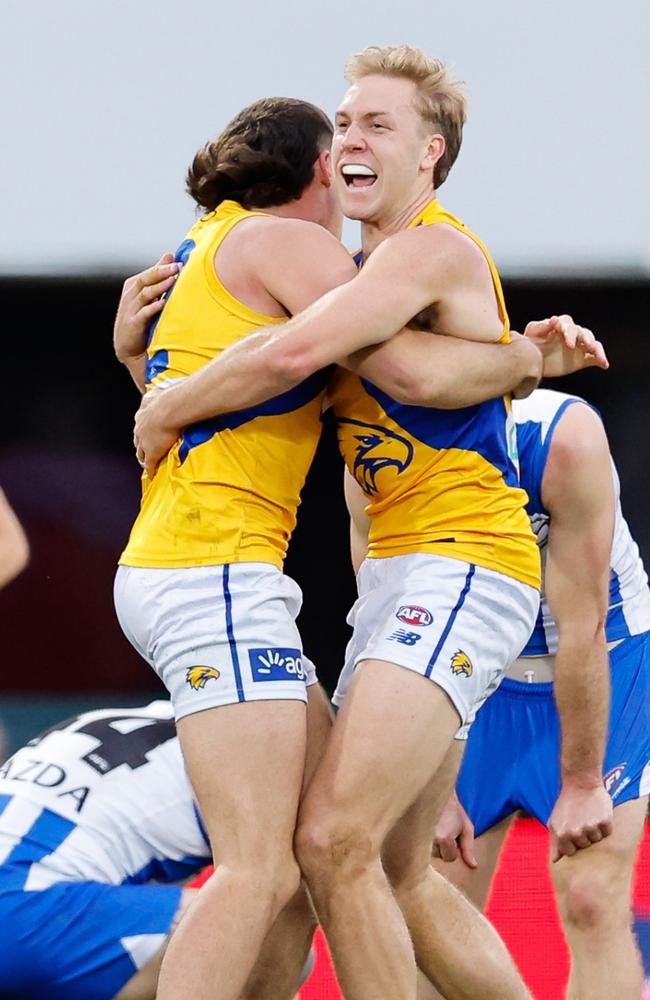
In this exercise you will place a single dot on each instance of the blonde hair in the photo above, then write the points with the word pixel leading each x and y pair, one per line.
pixel 442 102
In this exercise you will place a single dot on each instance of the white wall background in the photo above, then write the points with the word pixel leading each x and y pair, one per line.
pixel 104 105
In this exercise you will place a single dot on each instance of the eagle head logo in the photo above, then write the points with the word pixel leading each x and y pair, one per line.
pixel 461 664
pixel 377 449
pixel 198 677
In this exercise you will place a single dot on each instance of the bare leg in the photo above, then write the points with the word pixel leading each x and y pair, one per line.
pixel 390 737
pixel 143 985
pixel 456 947
pixel 279 968
pixel 594 889
pixel 246 763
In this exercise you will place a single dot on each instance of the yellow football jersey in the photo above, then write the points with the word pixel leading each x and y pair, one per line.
pixel 442 481
pixel 229 489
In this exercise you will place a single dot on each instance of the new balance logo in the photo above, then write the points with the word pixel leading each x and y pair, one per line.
pixel 406 638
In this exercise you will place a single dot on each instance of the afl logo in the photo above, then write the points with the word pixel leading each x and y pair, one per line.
pixel 412 614
pixel 612 778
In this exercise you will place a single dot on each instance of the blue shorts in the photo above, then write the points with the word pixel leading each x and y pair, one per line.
pixel 79 941
pixel 512 759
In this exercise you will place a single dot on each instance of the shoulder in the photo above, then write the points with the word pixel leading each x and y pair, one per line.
pixel 579 461
pixel 268 241
pixel 440 247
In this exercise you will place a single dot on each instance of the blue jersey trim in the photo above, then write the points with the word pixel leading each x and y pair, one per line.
pixel 480 428
pixel 156 365
pixel 4 802
pixel 181 257
pixel 45 835
pixel 231 633
pixel 450 621
pixel 286 402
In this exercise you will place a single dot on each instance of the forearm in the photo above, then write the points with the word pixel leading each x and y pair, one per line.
pixel 136 368
pixel 445 372
pixel 243 376
pixel 582 693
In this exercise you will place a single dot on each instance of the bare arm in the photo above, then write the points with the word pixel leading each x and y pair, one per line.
pixel 399 280
pixel 578 492
pixel 429 369
pixel 14 548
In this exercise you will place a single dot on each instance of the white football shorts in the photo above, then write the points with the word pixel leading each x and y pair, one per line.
pixel 459 624
pixel 216 635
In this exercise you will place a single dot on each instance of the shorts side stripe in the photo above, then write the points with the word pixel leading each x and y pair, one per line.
pixel 231 633
pixel 450 621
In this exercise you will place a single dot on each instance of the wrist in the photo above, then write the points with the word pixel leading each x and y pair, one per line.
pixel 582 779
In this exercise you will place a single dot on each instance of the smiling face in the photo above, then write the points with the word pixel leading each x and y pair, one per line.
pixel 383 154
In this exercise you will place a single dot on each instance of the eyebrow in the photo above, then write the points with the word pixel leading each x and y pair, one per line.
pixel 367 114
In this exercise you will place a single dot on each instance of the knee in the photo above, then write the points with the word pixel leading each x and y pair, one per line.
pixel 591 901
pixel 327 849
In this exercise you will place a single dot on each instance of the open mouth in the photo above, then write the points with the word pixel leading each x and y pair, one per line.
pixel 358 175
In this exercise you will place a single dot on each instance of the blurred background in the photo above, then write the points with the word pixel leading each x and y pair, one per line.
pixel 104 107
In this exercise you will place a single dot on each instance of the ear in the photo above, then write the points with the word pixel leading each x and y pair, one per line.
pixel 435 149
pixel 322 168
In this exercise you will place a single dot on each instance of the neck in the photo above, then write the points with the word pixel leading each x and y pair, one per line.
pixel 375 232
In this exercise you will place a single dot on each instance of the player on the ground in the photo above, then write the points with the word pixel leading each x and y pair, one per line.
pixel 451 545
pixel 539 744
pixel 14 547
pixel 93 812
pixel 200 591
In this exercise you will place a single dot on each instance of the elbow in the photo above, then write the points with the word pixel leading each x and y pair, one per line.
pixel 289 367
pixel 411 388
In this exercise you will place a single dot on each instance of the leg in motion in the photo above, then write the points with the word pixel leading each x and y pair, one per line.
pixel 594 890
pixel 246 763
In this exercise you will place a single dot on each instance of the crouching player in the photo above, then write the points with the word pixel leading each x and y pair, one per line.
pixel 540 743
pixel 96 816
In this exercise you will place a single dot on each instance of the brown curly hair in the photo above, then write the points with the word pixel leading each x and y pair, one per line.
pixel 264 157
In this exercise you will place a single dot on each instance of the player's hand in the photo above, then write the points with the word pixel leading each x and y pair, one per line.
pixel 581 817
pixel 566 347
pixel 154 433
pixel 454 835
pixel 141 300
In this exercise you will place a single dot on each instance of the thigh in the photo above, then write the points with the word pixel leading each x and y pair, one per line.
pixel 475 883
pixel 246 763
pixel 389 738
pixel 82 941
pixel 407 848
pixel 216 635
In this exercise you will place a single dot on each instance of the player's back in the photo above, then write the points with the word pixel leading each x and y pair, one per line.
pixel 103 797
pixel 229 489
pixel 441 481
pixel 629 598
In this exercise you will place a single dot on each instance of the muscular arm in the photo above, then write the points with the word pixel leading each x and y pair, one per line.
pixel 427 369
pixel 405 275
pixel 578 492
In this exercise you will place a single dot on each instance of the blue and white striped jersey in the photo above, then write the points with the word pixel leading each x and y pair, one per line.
pixel 103 797
pixel 629 598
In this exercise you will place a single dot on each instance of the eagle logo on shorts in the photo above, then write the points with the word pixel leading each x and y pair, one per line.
pixel 378 449
pixel 198 677
pixel 461 664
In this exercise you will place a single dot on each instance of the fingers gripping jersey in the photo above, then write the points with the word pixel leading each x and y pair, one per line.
pixel 229 489
pixel 102 798
pixel 440 481
pixel 629 598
